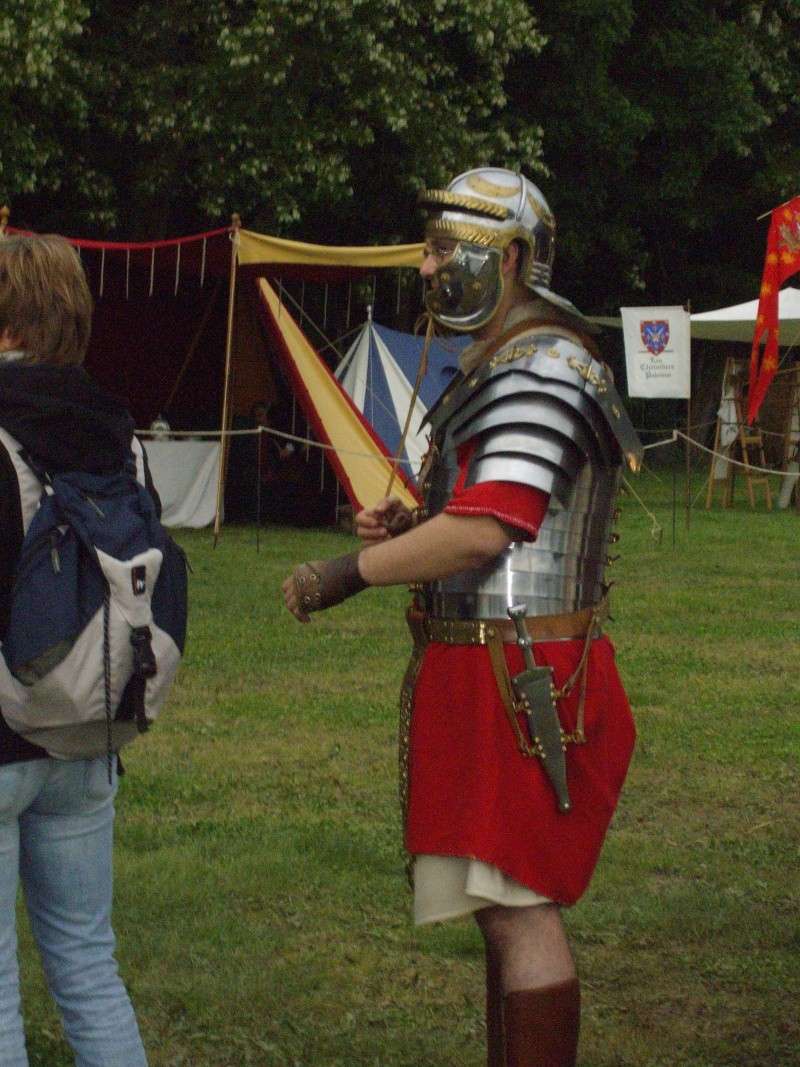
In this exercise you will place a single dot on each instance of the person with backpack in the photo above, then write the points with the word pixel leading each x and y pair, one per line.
pixel 56 814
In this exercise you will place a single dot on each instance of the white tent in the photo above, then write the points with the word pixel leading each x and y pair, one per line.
pixel 737 323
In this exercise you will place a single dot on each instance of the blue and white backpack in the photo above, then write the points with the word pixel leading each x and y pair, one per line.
pixel 98 610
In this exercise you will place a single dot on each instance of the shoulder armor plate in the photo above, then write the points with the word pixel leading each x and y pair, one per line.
pixel 552 367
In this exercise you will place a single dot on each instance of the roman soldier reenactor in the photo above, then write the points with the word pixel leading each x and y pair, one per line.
pixel 515 730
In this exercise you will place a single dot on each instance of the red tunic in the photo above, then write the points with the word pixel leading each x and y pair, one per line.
pixel 471 792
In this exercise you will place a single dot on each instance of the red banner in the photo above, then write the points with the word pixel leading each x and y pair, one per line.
pixel 781 261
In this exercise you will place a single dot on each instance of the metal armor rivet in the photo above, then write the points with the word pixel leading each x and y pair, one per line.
pixel 472 381
pixel 616 412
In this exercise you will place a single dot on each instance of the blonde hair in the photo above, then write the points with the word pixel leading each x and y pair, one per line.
pixel 45 303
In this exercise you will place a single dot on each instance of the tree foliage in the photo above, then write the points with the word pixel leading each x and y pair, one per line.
pixel 658 132
pixel 668 129
pixel 320 112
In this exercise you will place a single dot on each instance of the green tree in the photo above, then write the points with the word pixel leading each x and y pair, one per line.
pixel 313 117
pixel 668 130
pixel 43 106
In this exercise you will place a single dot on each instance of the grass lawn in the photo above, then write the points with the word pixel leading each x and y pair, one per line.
pixel 261 909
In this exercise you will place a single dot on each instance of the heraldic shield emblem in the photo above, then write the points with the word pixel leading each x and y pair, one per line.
pixel 655 335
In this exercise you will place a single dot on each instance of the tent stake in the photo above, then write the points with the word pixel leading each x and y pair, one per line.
pixel 236 224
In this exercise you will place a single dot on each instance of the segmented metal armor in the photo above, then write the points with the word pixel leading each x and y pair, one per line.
pixel 541 412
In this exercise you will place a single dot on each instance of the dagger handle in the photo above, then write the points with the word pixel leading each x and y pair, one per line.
pixel 516 612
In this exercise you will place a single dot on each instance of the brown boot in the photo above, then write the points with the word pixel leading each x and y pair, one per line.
pixel 495 1040
pixel 541 1026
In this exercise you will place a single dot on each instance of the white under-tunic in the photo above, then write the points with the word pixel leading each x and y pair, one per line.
pixel 449 887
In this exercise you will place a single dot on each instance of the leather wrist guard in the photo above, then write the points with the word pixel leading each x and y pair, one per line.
pixel 322 583
pixel 403 518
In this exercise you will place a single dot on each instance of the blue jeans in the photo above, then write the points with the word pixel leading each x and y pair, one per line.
pixel 56 830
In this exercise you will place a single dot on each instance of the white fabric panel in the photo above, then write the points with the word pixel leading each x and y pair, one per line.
pixel 401 389
pixel 138 455
pixel 168 658
pixel 185 475
pixel 665 372
pixel 729 427
pixel 448 887
pixel 74 690
pixel 354 370
pixel 133 604
pixel 73 693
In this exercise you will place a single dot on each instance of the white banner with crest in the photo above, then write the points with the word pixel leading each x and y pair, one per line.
pixel 657 351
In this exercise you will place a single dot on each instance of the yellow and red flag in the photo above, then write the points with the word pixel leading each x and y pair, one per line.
pixel 781 261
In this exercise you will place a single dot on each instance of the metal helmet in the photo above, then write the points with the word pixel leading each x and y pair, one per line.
pixel 484 210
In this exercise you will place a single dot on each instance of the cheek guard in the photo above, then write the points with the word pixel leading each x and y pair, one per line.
pixel 465 291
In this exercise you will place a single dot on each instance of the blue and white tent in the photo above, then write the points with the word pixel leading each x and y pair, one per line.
pixel 379 372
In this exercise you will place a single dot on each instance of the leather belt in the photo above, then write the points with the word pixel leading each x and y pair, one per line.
pixel 572 625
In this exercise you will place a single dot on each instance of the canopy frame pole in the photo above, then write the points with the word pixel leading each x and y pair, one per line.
pixel 236 225
pixel 5 214
pixel 291 300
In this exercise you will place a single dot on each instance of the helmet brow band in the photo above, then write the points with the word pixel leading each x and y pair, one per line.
pixel 459 231
pixel 476 235
pixel 442 198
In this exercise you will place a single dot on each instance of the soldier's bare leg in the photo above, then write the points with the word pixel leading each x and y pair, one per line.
pixel 533 996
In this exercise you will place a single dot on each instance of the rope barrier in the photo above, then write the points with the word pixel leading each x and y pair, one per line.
pixel 306 442
pixel 656 530
pixel 736 463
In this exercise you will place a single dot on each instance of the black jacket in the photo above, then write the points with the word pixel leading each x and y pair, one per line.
pixel 65 422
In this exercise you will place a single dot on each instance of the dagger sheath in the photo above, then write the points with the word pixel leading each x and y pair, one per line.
pixel 534 690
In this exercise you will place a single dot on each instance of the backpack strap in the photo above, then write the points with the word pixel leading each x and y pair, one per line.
pixel 140 461
pixel 30 486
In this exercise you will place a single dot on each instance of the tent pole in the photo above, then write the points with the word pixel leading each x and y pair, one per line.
pixel 259 440
pixel 236 224
pixel 688 307
pixel 5 213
